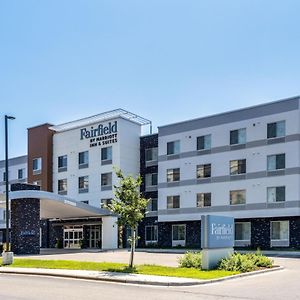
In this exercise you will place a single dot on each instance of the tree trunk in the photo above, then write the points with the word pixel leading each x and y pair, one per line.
pixel 132 247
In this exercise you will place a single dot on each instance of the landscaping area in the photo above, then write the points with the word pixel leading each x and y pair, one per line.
pixel 189 266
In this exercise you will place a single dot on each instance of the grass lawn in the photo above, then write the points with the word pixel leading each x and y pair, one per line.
pixel 123 268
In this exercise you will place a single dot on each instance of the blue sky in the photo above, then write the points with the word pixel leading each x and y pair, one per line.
pixel 166 60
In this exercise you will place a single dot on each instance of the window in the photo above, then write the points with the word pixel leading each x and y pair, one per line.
pixel 237 166
pixel 178 232
pixel 83 184
pixel 105 202
pixel 276 194
pixel 204 142
pixel 276 162
pixel 280 230
pixel 173 148
pixel 85 201
pixel 106 153
pixel 151 179
pixel 243 231
pixel 238 136
pixel 152 205
pixel 62 186
pixel 173 175
pixel 173 201
pixel 4 176
pixel 83 158
pixel 237 197
pixel 204 171
pixel 63 162
pixel 151 154
pixel 106 179
pixel 21 173
pixel 203 200
pixel 37 165
pixel 276 129
pixel 151 233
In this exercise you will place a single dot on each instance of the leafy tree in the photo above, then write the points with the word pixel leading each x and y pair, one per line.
pixel 129 205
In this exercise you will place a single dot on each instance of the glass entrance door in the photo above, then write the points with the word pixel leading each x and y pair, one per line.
pixel 95 236
pixel 72 236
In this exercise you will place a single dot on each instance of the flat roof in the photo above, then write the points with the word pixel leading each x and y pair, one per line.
pixel 250 112
pixel 54 206
pixel 112 114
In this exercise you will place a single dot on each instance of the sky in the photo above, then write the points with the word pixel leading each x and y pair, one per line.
pixel 166 60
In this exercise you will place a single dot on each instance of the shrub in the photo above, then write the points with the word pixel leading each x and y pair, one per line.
pixel 245 262
pixel 191 260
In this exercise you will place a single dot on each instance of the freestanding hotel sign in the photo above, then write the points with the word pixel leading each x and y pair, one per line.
pixel 217 239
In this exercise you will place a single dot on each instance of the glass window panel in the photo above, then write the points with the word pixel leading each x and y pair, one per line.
pixel 83 157
pixel 271 194
pixel 106 179
pixel 271 162
pixel 234 137
pixel 271 131
pixel 280 193
pixel 237 197
pixel 280 128
pixel 280 161
pixel 242 136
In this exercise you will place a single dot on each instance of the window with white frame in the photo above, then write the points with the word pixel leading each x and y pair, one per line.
pixel 242 231
pixel 151 179
pixel 173 201
pixel 152 205
pixel 106 179
pixel 237 166
pixel 62 186
pixel 173 147
pixel 83 158
pixel 203 200
pixel 178 234
pixel 173 175
pixel 37 165
pixel 104 202
pixel 151 154
pixel 238 136
pixel 203 171
pixel 204 142
pixel 106 153
pixel 276 194
pixel 237 197
pixel 21 173
pixel 62 162
pixel 279 233
pixel 83 184
pixel 151 235
pixel 276 162
pixel 276 129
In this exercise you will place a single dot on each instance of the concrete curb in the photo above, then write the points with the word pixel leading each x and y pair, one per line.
pixel 117 277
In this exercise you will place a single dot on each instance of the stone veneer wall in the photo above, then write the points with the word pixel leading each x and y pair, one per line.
pixel 25 222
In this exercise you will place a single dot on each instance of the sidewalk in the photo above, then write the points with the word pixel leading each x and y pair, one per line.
pixel 125 278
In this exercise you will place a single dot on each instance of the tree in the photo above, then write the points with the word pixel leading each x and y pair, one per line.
pixel 129 205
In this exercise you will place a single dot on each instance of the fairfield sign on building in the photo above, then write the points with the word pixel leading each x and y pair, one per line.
pixel 100 135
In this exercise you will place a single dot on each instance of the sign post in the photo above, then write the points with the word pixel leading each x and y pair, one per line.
pixel 217 239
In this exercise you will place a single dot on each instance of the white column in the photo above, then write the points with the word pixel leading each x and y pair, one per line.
pixel 109 232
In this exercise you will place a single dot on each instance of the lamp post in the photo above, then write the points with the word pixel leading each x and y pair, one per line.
pixel 7 255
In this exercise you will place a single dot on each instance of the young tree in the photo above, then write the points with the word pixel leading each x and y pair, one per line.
pixel 129 205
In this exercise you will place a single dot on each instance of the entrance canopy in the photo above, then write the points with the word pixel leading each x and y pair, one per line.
pixel 54 206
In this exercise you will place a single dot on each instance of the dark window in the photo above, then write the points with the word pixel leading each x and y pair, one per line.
pixel 106 179
pixel 106 153
pixel 62 185
pixel 173 147
pixel 203 199
pixel 173 202
pixel 204 171
pixel 83 158
pixel 276 129
pixel 83 182
pixel 173 175
pixel 238 136
pixel 62 161
pixel 204 142
pixel 238 166
pixel 151 233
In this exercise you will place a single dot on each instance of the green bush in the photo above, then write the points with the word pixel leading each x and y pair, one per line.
pixel 191 260
pixel 245 262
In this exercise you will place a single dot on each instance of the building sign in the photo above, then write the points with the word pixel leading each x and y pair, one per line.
pixel 217 232
pixel 27 233
pixel 101 135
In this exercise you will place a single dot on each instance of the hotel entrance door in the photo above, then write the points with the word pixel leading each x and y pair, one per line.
pixel 95 236
pixel 72 236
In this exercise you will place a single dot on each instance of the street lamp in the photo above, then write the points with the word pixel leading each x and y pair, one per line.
pixel 7 190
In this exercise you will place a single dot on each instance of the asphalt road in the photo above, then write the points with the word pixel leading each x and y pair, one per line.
pixel 281 285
